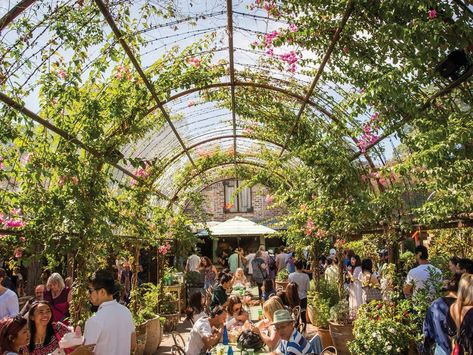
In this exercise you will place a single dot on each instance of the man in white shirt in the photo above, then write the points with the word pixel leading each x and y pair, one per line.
pixel 8 299
pixel 111 328
pixel 203 336
pixel 420 275
pixel 193 262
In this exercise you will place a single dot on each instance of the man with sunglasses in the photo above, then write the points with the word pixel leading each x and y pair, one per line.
pixel 111 328
pixel 206 332
pixel 292 342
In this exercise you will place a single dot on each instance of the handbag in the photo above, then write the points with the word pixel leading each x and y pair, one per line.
pixel 371 293
pixel 249 340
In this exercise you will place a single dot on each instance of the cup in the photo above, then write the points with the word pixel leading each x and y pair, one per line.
pixel 220 349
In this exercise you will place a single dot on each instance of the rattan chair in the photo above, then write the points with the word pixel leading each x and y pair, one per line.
pixel 177 350
pixel 178 339
pixel 329 350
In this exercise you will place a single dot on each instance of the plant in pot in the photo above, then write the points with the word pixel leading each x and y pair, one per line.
pixel 282 279
pixel 144 308
pixel 320 302
pixel 168 307
pixel 340 325
pixel 382 328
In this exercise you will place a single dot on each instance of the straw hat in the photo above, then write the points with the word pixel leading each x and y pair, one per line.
pixel 282 316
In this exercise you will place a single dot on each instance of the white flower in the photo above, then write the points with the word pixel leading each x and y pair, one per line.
pixel 389 347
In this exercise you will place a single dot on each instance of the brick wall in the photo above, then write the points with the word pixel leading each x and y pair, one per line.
pixel 214 197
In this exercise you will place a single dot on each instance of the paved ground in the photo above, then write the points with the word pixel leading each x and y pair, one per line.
pixel 184 328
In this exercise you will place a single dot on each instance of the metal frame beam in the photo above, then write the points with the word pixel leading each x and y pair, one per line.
pixel 238 162
pixel 175 157
pixel 68 137
pixel 149 86
pixel 325 59
pixel 15 12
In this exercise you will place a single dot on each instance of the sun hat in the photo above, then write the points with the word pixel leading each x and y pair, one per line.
pixel 281 316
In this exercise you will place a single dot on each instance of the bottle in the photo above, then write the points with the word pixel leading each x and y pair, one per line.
pixel 230 351
pixel 225 335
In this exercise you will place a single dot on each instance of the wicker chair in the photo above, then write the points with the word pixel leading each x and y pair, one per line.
pixel 178 340
pixel 329 350
pixel 177 350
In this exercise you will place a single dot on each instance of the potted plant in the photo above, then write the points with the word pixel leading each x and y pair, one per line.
pixel 144 309
pixel 340 325
pixel 282 279
pixel 168 308
pixel 318 309
pixel 382 328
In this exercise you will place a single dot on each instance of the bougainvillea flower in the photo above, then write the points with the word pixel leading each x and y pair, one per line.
pixel 190 103
pixel 269 199
pixel 432 14
pixel 195 62
pixel 293 27
pixel 18 253
pixel 61 181
pixel 15 223
pixel 74 180
pixel 62 73
pixel 16 211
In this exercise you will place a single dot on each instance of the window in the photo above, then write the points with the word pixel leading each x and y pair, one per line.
pixel 240 202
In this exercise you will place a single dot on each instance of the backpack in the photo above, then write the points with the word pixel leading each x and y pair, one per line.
pixel 271 263
pixel 249 340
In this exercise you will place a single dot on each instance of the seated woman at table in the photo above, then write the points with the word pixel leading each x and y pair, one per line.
pixel 282 295
pixel 219 295
pixel 268 289
pixel 237 316
pixel 264 328
pixel 239 279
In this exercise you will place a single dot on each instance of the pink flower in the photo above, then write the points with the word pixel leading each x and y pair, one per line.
pixel 346 49
pixel 255 44
pixel 293 27
pixel 432 14
pixel 16 211
pixel 270 37
pixel 74 180
pixel 2 218
pixel 269 199
pixel 195 62
pixel 2 166
pixel 133 182
pixel 190 103
pixel 61 181
pixel 26 158
pixel 18 253
pixel 164 249
pixel 15 223
pixel 248 131
pixel 22 239
pixel 270 52
pixel 62 74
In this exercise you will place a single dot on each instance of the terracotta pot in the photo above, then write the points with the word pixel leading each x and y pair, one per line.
pixel 310 314
pixel 153 335
pixel 325 337
pixel 341 335
pixel 141 336
pixel 171 321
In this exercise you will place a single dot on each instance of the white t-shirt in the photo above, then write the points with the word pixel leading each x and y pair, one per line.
pixel 303 283
pixel 200 329
pixel 249 259
pixel 9 304
pixel 418 275
pixel 193 263
pixel 110 329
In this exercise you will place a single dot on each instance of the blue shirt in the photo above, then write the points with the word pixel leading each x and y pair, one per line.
pixel 297 345
pixel 435 323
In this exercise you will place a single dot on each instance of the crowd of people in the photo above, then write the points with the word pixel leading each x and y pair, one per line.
pixel 41 326
pixel 44 320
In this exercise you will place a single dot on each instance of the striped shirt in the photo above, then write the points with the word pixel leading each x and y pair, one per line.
pixel 297 345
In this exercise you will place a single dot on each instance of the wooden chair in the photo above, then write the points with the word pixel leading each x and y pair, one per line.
pixel 178 339
pixel 329 350
pixel 296 314
pixel 177 350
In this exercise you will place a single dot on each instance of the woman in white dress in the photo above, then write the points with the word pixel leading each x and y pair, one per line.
pixel 354 290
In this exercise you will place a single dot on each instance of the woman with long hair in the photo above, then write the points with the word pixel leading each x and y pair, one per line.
pixel 370 287
pixel 236 314
pixel 354 289
pixel 196 307
pixel 268 289
pixel 14 335
pixel 239 279
pixel 45 333
pixel 264 328
pixel 209 270
pixel 59 297
pixel 292 295
pixel 462 314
